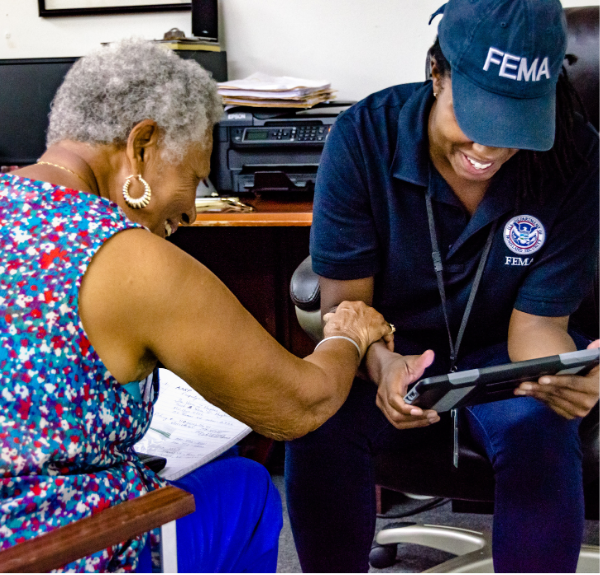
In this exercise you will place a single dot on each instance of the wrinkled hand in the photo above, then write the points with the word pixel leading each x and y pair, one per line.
pixel 569 395
pixel 397 374
pixel 362 323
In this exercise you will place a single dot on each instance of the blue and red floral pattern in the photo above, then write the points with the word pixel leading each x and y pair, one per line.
pixel 67 427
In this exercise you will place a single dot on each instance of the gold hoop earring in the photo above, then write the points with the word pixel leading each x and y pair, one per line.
pixel 137 203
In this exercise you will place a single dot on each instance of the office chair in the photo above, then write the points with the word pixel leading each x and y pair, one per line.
pixel 111 526
pixel 432 473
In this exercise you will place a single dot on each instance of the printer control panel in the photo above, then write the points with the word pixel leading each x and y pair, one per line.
pixel 297 134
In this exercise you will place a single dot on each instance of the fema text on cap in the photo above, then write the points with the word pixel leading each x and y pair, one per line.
pixel 515 67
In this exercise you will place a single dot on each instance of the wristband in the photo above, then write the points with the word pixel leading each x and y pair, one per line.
pixel 341 337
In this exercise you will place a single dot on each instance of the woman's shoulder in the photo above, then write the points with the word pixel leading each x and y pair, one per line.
pixel 47 205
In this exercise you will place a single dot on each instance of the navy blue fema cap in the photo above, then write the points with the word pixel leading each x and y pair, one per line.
pixel 505 56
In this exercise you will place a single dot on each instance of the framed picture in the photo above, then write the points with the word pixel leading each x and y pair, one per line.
pixel 90 7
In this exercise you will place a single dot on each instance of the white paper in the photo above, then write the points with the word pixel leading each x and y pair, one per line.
pixel 291 94
pixel 265 83
pixel 186 429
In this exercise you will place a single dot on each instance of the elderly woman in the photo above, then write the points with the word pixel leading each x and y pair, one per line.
pixel 491 160
pixel 91 302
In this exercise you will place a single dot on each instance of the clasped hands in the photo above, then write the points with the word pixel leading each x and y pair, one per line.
pixel 394 372
pixel 360 322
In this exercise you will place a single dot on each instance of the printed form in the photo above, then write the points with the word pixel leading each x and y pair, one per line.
pixel 186 429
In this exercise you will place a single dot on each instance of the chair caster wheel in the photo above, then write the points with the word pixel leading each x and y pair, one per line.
pixel 382 556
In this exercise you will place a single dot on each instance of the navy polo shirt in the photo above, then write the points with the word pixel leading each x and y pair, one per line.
pixel 370 219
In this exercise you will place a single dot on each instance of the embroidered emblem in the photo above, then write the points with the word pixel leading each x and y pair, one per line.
pixel 524 234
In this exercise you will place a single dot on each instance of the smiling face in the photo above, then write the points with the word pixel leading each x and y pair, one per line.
pixel 173 186
pixel 455 155
pixel 174 190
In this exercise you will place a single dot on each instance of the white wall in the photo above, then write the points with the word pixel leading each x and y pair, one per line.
pixel 359 45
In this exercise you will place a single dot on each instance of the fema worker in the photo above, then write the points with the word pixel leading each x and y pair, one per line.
pixel 489 165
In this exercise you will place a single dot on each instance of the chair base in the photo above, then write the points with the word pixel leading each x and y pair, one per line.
pixel 474 549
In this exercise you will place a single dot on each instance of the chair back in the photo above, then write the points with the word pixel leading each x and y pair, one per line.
pixel 583 43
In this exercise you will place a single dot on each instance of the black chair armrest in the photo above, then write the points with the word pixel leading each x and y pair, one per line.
pixel 304 287
pixel 153 462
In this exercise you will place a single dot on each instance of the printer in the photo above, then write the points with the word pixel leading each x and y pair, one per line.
pixel 271 151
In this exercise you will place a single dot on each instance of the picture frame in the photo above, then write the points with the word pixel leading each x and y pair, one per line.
pixel 56 8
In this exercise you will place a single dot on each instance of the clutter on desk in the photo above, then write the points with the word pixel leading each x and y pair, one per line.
pixel 264 91
pixel 222 205
pixel 205 188
pixel 177 40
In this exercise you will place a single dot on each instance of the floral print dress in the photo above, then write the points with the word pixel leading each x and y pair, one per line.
pixel 67 427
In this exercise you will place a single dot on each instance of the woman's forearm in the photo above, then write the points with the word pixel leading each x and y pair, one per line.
pixel 336 362
pixel 189 321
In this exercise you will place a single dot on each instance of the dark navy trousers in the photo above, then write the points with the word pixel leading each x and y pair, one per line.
pixel 535 453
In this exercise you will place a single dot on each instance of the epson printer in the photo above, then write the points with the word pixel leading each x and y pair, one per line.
pixel 271 151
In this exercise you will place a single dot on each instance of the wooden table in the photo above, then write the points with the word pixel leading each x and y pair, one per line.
pixel 268 213
pixel 255 255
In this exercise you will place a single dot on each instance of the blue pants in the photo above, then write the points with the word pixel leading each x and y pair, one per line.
pixel 535 453
pixel 236 525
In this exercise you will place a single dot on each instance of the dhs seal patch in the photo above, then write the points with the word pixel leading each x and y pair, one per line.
pixel 524 234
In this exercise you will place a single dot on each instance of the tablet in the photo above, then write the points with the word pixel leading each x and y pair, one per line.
pixel 445 392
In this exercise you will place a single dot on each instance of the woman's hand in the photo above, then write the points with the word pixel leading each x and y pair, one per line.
pixel 396 373
pixel 360 322
pixel 569 395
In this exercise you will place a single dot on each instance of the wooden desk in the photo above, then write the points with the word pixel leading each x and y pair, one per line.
pixel 268 213
pixel 255 255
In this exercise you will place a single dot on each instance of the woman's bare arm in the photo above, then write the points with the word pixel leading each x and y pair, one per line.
pixel 532 336
pixel 143 300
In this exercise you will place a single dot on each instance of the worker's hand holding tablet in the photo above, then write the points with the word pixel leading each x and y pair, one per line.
pixel 554 380
pixel 570 396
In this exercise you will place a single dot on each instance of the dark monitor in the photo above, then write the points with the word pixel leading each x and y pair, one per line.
pixel 27 87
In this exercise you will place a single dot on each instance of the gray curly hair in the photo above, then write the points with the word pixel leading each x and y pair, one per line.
pixel 106 93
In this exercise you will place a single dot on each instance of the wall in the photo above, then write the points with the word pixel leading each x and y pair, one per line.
pixel 359 45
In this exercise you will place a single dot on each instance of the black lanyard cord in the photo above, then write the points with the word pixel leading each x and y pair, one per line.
pixel 438 266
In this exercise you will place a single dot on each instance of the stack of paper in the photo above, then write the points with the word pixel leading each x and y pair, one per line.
pixel 262 90
pixel 191 44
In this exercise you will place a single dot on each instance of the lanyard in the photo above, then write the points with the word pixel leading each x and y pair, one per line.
pixel 437 264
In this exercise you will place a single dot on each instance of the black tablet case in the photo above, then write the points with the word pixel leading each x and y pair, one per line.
pixel 474 386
